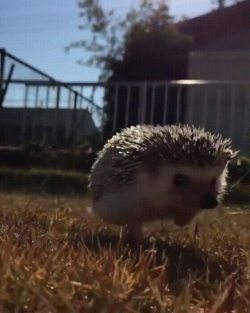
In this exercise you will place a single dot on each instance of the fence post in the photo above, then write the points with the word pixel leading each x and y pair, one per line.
pixel 127 106
pixel 73 121
pixel 142 103
pixel 205 107
pixel 81 98
pixel 56 114
pixel 152 105
pixel 165 108
pixel 45 114
pixel 5 85
pixel 92 97
pixel 191 116
pixel 246 120
pixel 178 104
pixel 218 110
pixel 232 112
pixel 34 116
pixel 2 66
pixel 114 128
pixel 69 99
pixel 23 127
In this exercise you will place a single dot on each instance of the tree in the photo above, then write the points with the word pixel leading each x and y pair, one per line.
pixel 116 40
pixel 144 45
pixel 153 49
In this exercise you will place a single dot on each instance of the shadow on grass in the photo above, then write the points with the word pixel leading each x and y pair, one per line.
pixel 181 263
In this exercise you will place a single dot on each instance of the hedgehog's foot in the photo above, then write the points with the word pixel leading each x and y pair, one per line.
pixel 132 233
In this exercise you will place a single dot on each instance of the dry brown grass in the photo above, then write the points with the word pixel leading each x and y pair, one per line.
pixel 54 257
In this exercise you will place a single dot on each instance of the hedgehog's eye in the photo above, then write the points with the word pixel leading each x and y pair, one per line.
pixel 180 180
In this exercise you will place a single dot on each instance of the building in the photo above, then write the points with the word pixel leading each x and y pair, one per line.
pixel 221 60
pixel 220 37
pixel 47 126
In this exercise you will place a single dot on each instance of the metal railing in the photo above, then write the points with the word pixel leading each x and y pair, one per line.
pixel 218 106
pixel 29 96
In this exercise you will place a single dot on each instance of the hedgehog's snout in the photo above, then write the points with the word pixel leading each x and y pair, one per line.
pixel 208 201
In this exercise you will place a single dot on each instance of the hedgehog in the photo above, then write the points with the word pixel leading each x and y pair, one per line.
pixel 146 173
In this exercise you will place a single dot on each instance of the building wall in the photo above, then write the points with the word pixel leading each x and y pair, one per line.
pixel 219 65
pixel 222 107
pixel 239 41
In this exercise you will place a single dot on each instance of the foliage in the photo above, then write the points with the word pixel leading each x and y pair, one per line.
pixel 48 181
pixel 153 49
pixel 94 141
pixel 55 257
pixel 143 45
pixel 34 147
pixel 145 36
pixel 78 157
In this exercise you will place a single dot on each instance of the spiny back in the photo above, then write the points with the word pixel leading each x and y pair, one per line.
pixel 133 147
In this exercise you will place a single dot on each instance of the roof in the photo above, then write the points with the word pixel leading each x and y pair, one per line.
pixel 218 23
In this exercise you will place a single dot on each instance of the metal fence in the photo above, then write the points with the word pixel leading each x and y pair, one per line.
pixel 218 106
pixel 35 107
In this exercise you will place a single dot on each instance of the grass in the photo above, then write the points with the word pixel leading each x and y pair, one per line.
pixel 56 257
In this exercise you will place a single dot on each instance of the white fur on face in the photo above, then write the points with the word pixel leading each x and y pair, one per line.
pixel 157 187
pixel 155 196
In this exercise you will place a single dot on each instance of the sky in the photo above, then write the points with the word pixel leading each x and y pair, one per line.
pixel 38 32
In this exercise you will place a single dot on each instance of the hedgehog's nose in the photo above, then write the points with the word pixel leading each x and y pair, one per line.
pixel 208 201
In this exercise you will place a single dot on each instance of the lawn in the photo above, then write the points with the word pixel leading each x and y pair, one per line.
pixel 57 257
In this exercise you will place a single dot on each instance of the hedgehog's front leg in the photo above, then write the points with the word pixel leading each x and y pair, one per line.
pixel 132 233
